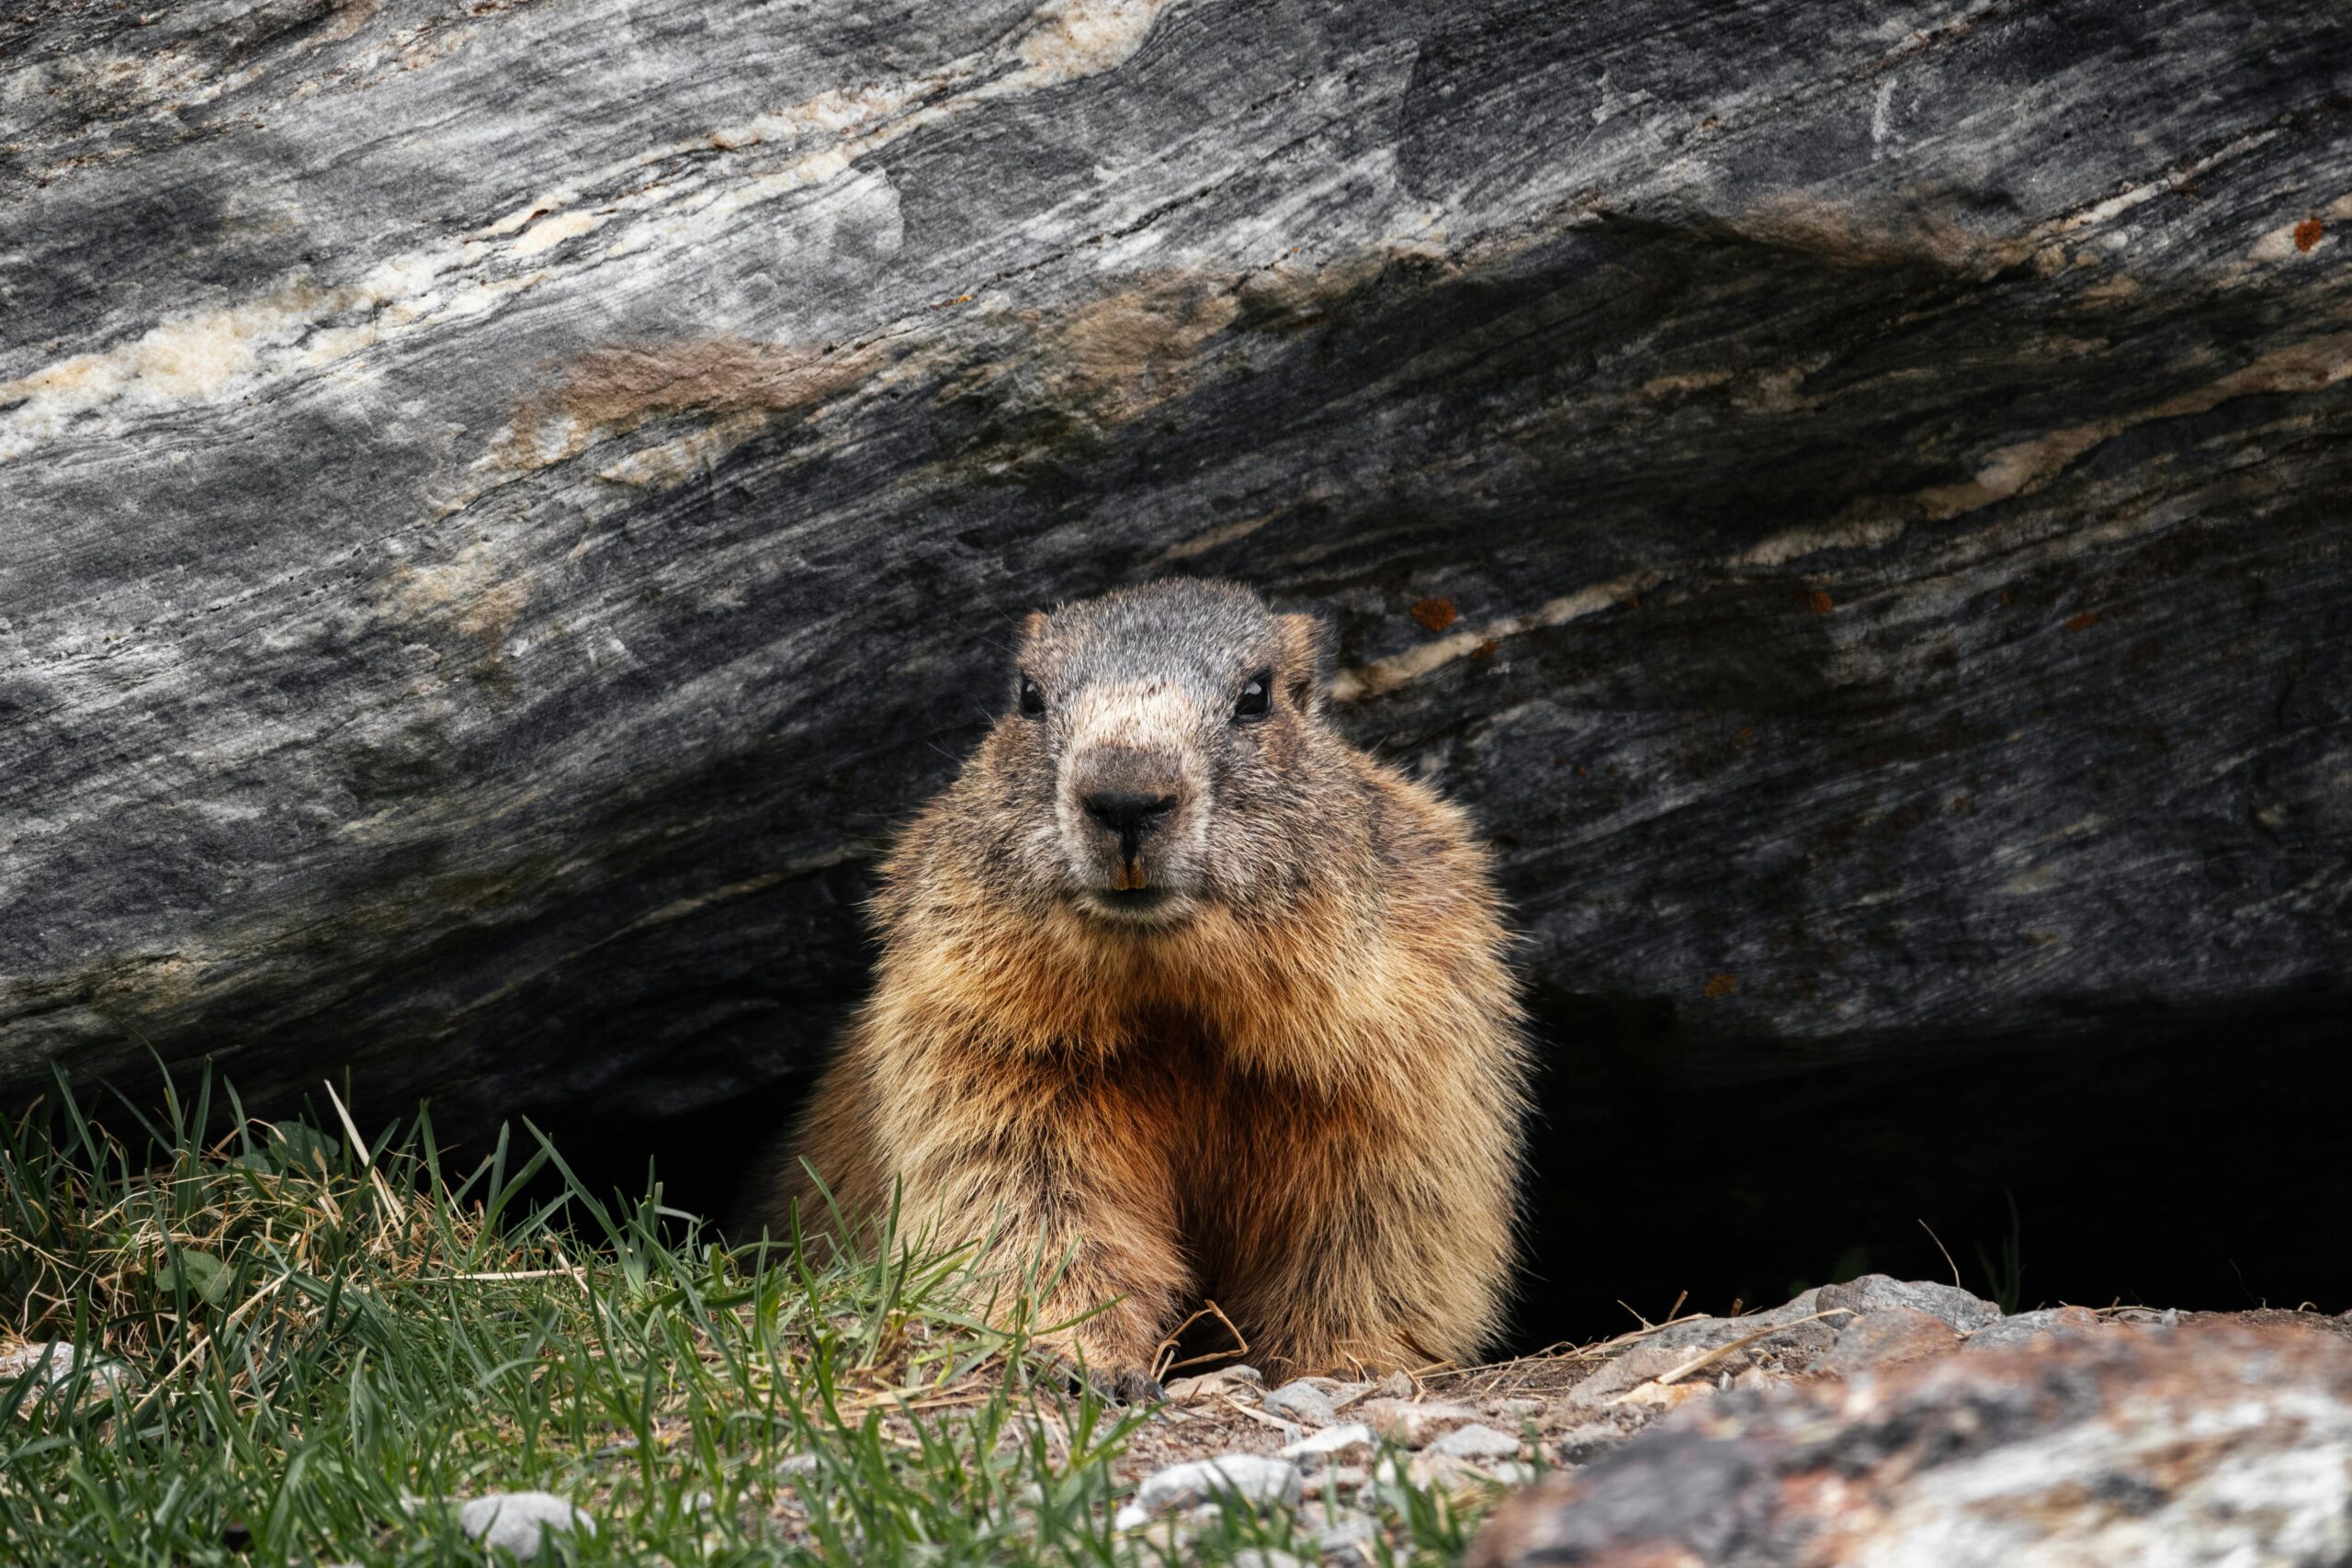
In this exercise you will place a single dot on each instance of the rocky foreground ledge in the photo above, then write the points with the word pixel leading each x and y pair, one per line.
pixel 1876 1421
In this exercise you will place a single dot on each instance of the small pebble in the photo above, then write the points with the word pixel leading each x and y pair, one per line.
pixel 1396 1385
pixel 1250 1478
pixel 1412 1424
pixel 1445 1470
pixel 1348 1529
pixel 1349 1437
pixel 1259 1557
pixel 519 1522
pixel 1224 1381
pixel 1476 1442
pixel 1302 1402
pixel 1333 1480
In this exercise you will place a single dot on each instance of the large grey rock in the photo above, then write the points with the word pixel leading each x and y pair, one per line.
pixel 2200 1445
pixel 502 510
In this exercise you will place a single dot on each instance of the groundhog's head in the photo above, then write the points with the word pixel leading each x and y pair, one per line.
pixel 1163 742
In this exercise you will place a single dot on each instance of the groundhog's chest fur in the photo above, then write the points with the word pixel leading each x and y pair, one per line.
pixel 1249 1157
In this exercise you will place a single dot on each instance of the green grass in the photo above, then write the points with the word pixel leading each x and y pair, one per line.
pixel 325 1334
pixel 2005 1279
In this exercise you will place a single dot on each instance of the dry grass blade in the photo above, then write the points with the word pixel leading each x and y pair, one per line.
pixel 204 1341
pixel 1161 1363
pixel 1286 1428
pixel 1945 1251
pixel 392 1204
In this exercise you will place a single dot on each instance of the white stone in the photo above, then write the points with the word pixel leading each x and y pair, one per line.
pixel 1302 1402
pixel 1476 1442
pixel 1249 1478
pixel 53 1361
pixel 519 1522
pixel 1348 1438
pixel 1227 1381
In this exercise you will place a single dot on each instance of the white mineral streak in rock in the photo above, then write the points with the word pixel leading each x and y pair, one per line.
pixel 215 354
pixel 1380 675
pixel 2009 471
pixel 218 354
pixel 2255 1500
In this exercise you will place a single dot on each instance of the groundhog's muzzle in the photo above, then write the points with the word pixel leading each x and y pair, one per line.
pixel 1128 797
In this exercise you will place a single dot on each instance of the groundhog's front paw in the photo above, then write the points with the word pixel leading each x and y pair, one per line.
pixel 1129 1385
pixel 1119 1384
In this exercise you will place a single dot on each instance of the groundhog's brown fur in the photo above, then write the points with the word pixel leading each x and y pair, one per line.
pixel 1290 1079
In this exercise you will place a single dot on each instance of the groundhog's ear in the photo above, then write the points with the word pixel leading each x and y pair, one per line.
pixel 1033 626
pixel 1307 656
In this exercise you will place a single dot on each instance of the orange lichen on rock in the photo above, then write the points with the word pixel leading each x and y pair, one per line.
pixel 1435 614
pixel 2307 233
pixel 611 391
pixel 1819 601
pixel 2082 621
pixel 1720 987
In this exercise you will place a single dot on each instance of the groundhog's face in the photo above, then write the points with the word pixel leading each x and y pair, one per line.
pixel 1163 741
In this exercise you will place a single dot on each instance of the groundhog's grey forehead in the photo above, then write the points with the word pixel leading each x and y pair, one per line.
pixel 1187 629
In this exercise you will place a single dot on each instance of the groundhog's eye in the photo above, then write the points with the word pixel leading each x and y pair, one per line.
pixel 1032 698
pixel 1257 695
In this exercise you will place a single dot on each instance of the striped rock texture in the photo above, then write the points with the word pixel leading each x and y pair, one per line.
pixel 505 503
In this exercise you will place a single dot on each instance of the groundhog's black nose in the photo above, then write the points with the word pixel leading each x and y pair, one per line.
pixel 1128 814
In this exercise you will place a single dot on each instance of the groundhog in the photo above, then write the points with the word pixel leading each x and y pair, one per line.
pixel 1177 984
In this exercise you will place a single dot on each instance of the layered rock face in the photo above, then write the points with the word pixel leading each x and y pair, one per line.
pixel 2211 1441
pixel 502 506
